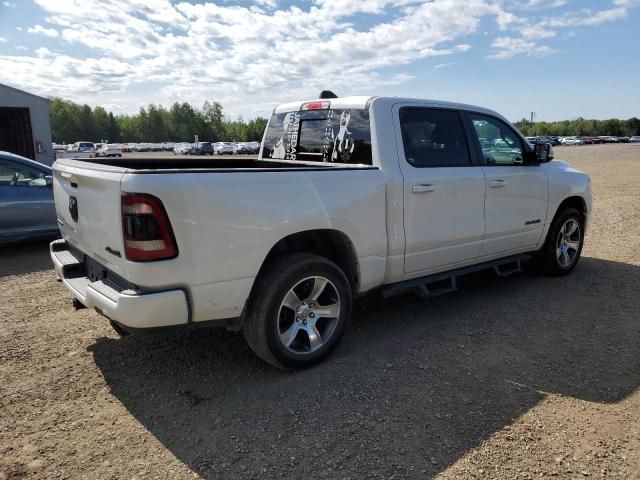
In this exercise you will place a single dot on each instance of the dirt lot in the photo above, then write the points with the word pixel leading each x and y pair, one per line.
pixel 524 377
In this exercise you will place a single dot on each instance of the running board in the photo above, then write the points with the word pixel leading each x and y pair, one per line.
pixel 446 282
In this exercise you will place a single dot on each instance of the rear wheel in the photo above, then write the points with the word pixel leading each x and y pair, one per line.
pixel 563 246
pixel 299 311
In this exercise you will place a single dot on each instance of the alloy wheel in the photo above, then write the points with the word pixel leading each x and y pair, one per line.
pixel 308 315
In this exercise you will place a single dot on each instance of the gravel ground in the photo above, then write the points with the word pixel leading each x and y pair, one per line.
pixel 524 377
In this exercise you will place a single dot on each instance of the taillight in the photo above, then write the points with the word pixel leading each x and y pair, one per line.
pixel 146 229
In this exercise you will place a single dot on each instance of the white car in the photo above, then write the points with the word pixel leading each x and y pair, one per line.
pixel 347 195
pixel 109 150
pixel 223 148
pixel 182 149
pixel 571 141
pixel 83 147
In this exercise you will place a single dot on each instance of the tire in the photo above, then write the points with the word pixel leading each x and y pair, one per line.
pixel 290 338
pixel 550 259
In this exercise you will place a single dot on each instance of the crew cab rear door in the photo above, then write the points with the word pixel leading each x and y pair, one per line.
pixel 443 188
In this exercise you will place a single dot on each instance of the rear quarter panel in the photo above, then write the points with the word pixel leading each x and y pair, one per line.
pixel 225 224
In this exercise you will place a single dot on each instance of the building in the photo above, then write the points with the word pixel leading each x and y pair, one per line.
pixel 25 128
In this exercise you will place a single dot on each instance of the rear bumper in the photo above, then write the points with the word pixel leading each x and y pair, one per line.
pixel 115 298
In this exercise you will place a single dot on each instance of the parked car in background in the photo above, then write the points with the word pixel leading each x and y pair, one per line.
pixel 278 246
pixel 125 148
pixel 202 148
pixel 27 210
pixel 254 147
pixel 240 149
pixel 624 139
pixel 223 148
pixel 182 149
pixel 572 141
pixel 58 148
pixel 141 147
pixel 109 150
pixel 634 139
pixel 83 147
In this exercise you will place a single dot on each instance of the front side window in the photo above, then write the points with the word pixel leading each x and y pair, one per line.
pixel 331 135
pixel 500 144
pixel 433 138
pixel 13 174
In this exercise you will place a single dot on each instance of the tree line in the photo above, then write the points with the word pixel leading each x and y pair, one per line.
pixel 581 127
pixel 71 122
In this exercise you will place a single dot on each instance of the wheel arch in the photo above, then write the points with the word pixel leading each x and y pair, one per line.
pixel 575 201
pixel 329 243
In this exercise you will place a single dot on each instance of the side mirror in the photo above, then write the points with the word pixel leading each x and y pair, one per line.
pixel 544 152
pixel 49 180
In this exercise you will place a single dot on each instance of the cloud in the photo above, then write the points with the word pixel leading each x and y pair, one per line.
pixel 9 4
pixel 47 32
pixel 442 65
pixel 541 4
pixel 531 33
pixel 42 52
pixel 251 54
pixel 3 40
pixel 508 47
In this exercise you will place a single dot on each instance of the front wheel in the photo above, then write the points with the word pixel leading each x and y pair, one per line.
pixel 299 311
pixel 563 247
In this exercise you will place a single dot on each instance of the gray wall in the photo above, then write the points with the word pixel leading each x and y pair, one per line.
pixel 39 112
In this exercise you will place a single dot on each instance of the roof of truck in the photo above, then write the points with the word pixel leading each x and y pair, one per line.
pixel 364 101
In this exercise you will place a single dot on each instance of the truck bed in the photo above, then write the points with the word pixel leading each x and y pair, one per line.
pixel 191 164
pixel 226 215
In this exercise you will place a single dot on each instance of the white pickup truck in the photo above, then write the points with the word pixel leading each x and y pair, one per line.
pixel 347 195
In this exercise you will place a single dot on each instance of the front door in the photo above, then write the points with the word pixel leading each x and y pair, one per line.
pixel 517 193
pixel 26 201
pixel 443 190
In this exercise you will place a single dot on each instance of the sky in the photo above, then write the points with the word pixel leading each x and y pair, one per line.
pixel 561 59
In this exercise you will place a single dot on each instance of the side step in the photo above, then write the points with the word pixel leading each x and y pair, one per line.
pixel 506 269
pixel 441 283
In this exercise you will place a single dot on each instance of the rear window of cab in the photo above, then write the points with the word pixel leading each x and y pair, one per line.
pixel 331 135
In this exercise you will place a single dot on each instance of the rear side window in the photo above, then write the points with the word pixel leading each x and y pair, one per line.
pixel 433 137
pixel 334 135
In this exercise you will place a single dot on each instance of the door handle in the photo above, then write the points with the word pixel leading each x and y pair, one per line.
pixel 423 188
pixel 498 183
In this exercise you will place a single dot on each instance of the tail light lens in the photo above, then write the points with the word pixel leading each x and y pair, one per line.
pixel 315 106
pixel 146 229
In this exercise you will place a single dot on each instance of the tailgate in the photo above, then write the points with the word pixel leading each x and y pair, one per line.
pixel 87 198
